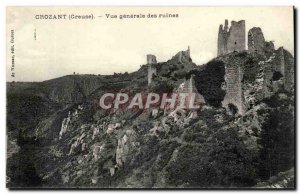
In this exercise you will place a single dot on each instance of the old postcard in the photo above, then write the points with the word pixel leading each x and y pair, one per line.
pixel 150 97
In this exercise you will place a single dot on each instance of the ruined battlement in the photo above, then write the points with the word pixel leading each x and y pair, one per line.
pixel 151 59
pixel 233 38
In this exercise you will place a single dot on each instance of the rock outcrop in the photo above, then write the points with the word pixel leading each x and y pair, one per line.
pixel 66 121
pixel 64 126
pixel 183 56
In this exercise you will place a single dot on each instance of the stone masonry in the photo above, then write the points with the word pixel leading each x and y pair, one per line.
pixel 257 43
pixel 233 38
pixel 151 62
pixel 276 62
pixel 233 85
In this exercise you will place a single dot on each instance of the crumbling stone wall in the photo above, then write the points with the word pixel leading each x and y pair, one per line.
pixel 279 66
pixel 278 62
pixel 289 71
pixel 268 69
pixel 283 63
pixel 233 39
pixel 257 43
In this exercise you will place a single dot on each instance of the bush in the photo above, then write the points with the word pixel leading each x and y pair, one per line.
pixel 208 82
pixel 221 161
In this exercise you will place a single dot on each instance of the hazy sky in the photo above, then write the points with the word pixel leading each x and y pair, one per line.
pixel 105 46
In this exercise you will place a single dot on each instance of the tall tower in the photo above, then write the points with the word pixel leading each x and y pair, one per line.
pixel 233 87
pixel 232 39
pixel 151 62
pixel 222 39
pixel 189 50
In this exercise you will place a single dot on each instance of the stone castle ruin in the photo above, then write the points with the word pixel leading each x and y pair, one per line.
pixel 233 87
pixel 277 62
pixel 233 38
pixel 276 68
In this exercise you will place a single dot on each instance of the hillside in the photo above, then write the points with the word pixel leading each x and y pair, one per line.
pixel 58 136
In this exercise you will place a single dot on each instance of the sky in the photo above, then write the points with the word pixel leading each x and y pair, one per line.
pixel 47 49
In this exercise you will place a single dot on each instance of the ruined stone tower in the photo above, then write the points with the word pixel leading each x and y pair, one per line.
pixel 276 68
pixel 151 59
pixel 232 39
pixel 257 43
pixel 151 62
pixel 183 56
pixel 233 86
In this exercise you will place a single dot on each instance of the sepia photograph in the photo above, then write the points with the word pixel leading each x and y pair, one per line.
pixel 137 97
